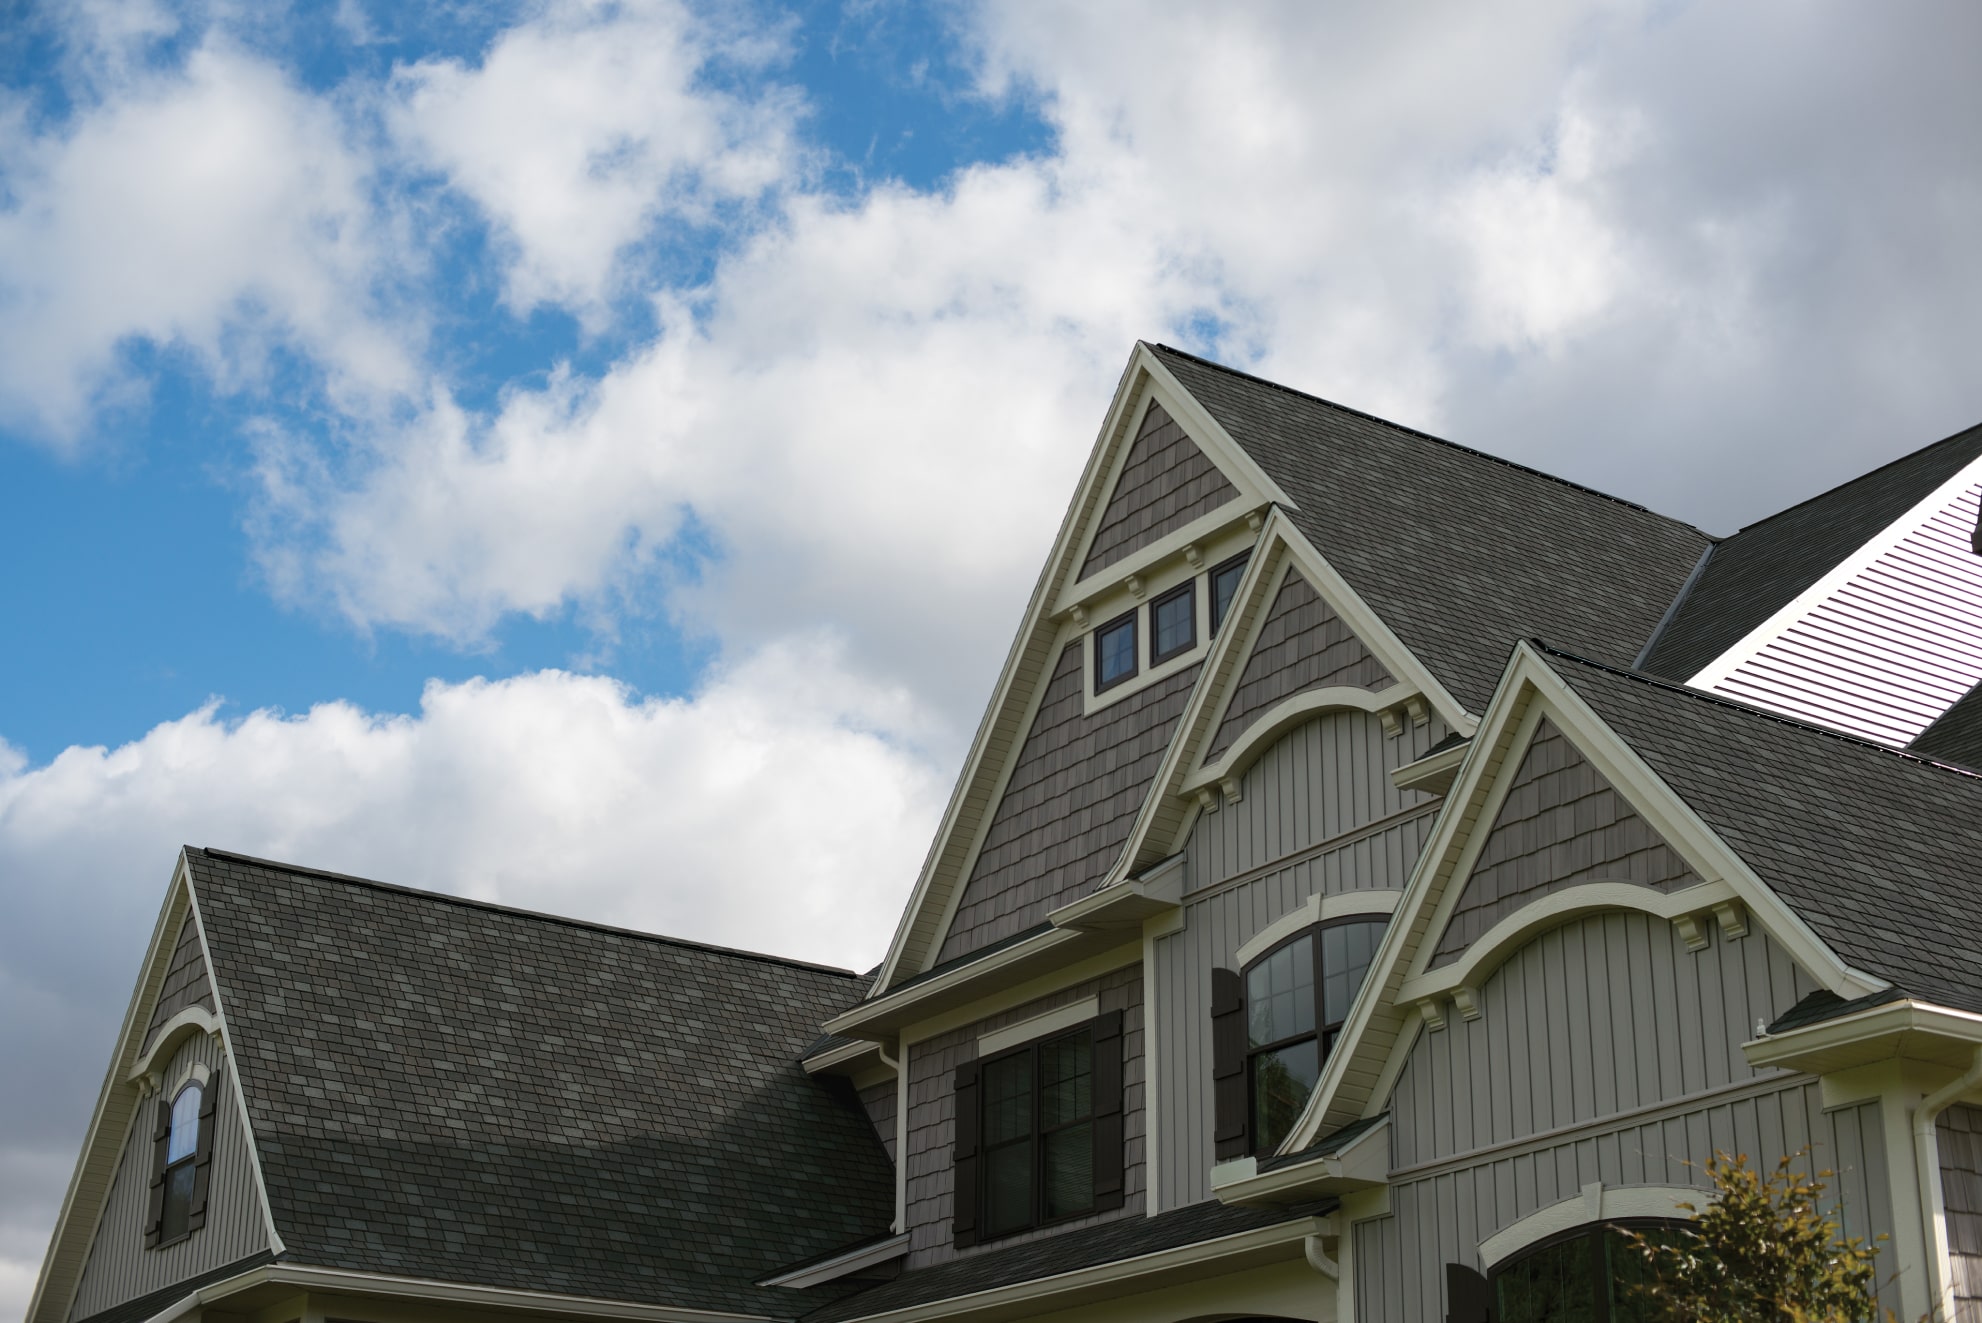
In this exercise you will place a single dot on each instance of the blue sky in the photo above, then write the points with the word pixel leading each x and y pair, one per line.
pixel 592 454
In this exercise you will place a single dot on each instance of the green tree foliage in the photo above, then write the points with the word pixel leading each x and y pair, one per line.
pixel 1764 1250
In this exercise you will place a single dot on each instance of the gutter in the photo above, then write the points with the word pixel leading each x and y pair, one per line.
pixel 1927 1154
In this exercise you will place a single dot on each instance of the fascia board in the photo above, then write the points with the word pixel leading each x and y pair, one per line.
pixel 110 1121
pixel 1889 1025
pixel 344 1281
pixel 831 1270
pixel 1044 1294
pixel 1360 1164
pixel 834 1061
pixel 1433 774
pixel 1760 637
pixel 891 1011
pixel 1209 433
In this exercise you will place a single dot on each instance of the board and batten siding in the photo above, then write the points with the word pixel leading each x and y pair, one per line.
pixel 1888 650
pixel 1069 806
pixel 120 1268
pixel 1441 1214
pixel 932 1065
pixel 1603 1015
pixel 1317 815
pixel 186 981
pixel 1165 483
pixel 1959 1132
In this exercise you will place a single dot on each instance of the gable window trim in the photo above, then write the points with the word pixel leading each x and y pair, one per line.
pixel 1185 592
pixel 1123 623
pixel 182 1159
pixel 1227 575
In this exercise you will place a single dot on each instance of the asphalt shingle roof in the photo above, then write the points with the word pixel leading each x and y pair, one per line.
pixel 1460 553
pixel 140 1308
pixel 1761 569
pixel 450 1090
pixel 1956 735
pixel 1878 851
pixel 1087 1247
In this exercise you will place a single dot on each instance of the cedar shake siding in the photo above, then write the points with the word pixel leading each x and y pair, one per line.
pixel 1302 645
pixel 1166 482
pixel 879 1100
pixel 1960 1138
pixel 186 982
pixel 1562 825
pixel 120 1268
pixel 932 1066
pixel 1068 808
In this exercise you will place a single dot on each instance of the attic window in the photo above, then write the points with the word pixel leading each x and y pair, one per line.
pixel 1115 651
pixel 1225 586
pixel 1173 623
pixel 182 1164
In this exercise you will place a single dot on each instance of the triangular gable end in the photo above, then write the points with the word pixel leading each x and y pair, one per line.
pixel 1162 479
pixel 173 1029
pixel 1410 985
pixel 1298 642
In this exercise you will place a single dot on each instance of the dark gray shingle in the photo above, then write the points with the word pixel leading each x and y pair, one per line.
pixel 1956 735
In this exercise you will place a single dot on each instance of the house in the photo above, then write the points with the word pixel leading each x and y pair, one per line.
pixel 1380 871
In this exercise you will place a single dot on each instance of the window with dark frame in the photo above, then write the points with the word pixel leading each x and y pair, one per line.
pixel 1296 997
pixel 1225 586
pixel 1038 1125
pixel 181 1155
pixel 1115 651
pixel 1588 1274
pixel 1173 623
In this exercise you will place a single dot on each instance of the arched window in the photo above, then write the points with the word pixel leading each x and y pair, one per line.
pixel 181 1156
pixel 1297 996
pixel 1586 1275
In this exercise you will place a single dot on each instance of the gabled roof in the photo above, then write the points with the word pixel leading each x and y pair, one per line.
pixel 456 1091
pixel 1458 552
pixel 1879 852
pixel 1767 565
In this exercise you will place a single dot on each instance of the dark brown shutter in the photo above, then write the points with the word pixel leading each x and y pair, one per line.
pixel 203 1155
pixel 1108 1159
pixel 1228 1064
pixel 161 1143
pixel 1468 1298
pixel 963 1199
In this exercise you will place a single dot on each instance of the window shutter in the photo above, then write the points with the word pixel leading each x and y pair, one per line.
pixel 963 1164
pixel 1109 1159
pixel 1468 1298
pixel 203 1155
pixel 1228 1064
pixel 161 1141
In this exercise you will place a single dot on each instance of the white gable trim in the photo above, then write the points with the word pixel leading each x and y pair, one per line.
pixel 1316 909
pixel 1597 1203
pixel 189 1023
pixel 1782 663
pixel 1356 1079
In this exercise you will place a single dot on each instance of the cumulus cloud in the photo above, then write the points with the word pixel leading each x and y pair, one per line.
pixel 213 208
pixel 784 806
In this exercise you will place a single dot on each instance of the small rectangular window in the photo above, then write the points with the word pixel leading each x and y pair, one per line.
pixel 1115 651
pixel 1173 623
pixel 1037 1119
pixel 1224 586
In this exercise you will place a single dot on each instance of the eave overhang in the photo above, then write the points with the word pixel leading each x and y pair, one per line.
pixel 858 1259
pixel 1435 772
pixel 1900 1029
pixel 1006 967
pixel 1362 1163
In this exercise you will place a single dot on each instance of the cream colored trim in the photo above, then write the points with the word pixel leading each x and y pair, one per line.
pixel 1597 1203
pixel 1121 956
pixel 845 1054
pixel 186 1024
pixel 1282 717
pixel 1462 978
pixel 840 1265
pixel 1433 774
pixel 1315 909
pixel 1119 1277
pixel 451 1293
pixel 1039 1026
pixel 1154 929
pixel 1760 637
pixel 1362 1163
pixel 884 1015
pixel 1928 1032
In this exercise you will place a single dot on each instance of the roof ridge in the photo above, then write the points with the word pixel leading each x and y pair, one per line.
pixel 448 898
pixel 1436 440
pixel 1848 482
pixel 1720 700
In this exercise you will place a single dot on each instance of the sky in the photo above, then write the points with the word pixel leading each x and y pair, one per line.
pixel 593 456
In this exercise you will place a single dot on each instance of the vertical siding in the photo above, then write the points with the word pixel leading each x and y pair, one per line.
pixel 186 982
pixel 1442 1216
pixel 1302 645
pixel 1891 649
pixel 1960 1134
pixel 1166 482
pixel 1602 1015
pixel 1068 808
pixel 932 1116
pixel 1562 825
pixel 1253 861
pixel 120 1268
pixel 879 1100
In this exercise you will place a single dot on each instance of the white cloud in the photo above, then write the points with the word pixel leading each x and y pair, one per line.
pixel 585 127
pixel 783 807
pixel 215 208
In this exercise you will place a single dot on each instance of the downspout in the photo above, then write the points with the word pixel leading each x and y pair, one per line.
pixel 901 1131
pixel 1927 1154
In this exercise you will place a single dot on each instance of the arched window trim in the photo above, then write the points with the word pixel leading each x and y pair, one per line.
pixel 1595 1237
pixel 1323 1027
pixel 1597 1203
